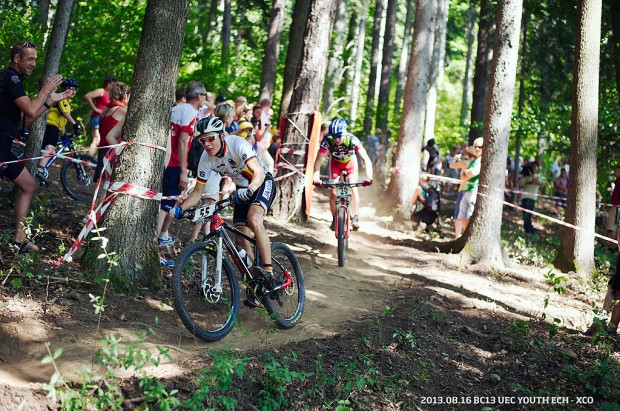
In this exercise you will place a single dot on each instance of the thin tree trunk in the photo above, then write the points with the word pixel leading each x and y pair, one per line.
pixel 294 52
pixel 403 184
pixel 272 50
pixel 521 103
pixel 209 9
pixel 304 101
pixel 58 38
pixel 131 221
pixel 576 251
pixel 403 61
pixel 482 237
pixel 383 105
pixel 481 71
pixel 359 60
pixel 469 60
pixel 43 12
pixel 375 55
pixel 226 28
pixel 347 54
pixel 334 64
pixel 439 52
pixel 615 30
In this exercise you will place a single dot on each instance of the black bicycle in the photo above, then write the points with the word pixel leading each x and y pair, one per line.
pixel 205 287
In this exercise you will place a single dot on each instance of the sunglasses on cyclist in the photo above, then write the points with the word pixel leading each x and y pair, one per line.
pixel 207 138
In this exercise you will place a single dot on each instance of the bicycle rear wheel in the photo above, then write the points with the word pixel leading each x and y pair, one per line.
pixel 77 179
pixel 6 185
pixel 286 305
pixel 343 241
pixel 208 314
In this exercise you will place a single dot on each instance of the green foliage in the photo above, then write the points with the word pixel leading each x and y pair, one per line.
pixel 274 382
pixel 599 377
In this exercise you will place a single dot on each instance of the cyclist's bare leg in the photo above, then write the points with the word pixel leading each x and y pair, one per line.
pixel 92 151
pixel 332 202
pixel 43 162
pixel 28 187
pixel 243 243
pixel 256 216
pixel 355 200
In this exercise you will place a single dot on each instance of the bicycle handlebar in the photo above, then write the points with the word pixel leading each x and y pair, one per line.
pixel 205 212
pixel 321 184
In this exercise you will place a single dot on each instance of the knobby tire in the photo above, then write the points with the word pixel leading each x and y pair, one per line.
pixel 342 236
pixel 69 177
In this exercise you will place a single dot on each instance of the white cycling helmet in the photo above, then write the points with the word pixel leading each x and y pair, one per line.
pixel 210 124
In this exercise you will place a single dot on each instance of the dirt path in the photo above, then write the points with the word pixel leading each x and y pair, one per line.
pixel 378 260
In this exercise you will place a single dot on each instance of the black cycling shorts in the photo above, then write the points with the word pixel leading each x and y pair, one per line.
pixel 13 170
pixel 50 138
pixel 614 281
pixel 263 197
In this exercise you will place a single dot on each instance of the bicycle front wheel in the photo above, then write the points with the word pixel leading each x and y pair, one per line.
pixel 77 179
pixel 343 241
pixel 207 312
pixel 285 306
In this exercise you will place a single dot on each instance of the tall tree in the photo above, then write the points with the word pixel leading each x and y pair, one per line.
pixel 56 45
pixel 403 184
pixel 615 27
pixel 383 104
pixel 403 60
pixel 466 100
pixel 481 71
pixel 226 30
pixel 576 251
pixel 294 52
pixel 375 54
pixel 359 60
pixel 348 53
pixel 439 52
pixel 335 61
pixel 482 239
pixel 131 221
pixel 272 50
pixel 304 101
pixel 520 103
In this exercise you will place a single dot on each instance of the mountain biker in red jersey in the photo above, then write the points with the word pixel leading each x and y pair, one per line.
pixel 342 147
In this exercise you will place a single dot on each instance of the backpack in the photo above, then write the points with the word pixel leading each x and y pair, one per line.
pixel 193 156
pixel 432 199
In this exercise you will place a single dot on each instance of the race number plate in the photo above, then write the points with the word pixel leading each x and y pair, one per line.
pixel 204 212
pixel 343 191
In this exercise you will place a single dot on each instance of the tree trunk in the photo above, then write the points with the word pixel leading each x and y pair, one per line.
pixel 43 13
pixel 466 100
pixel 403 184
pixel 521 103
pixel 334 65
pixel 483 235
pixel 383 105
pixel 481 71
pixel 375 54
pixel 226 28
pixel 58 38
pixel 272 50
pixel 439 52
pixel 404 60
pixel 576 251
pixel 347 54
pixel 208 8
pixel 304 101
pixel 131 221
pixel 359 60
pixel 293 52
pixel 615 30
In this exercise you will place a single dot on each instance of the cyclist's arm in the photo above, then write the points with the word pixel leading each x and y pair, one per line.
pixel 367 162
pixel 194 197
pixel 317 165
pixel 258 174
pixel 90 96
pixel 69 118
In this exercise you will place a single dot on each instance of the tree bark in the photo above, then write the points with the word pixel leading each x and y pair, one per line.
pixel 359 60
pixel 383 105
pixel 615 30
pixel 304 101
pixel 404 60
pixel 483 235
pixel 131 221
pixel 294 51
pixel 226 29
pixel 347 54
pixel 375 54
pixel 43 12
pixel 334 65
pixel 58 38
pixel 520 104
pixel 439 52
pixel 576 251
pixel 272 50
pixel 466 100
pixel 403 183
pixel 481 71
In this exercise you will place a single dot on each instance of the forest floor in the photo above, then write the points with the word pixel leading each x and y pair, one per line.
pixel 397 328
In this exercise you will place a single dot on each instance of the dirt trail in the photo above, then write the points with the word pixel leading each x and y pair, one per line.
pixel 377 261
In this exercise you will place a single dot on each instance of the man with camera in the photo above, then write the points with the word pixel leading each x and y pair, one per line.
pixel 15 108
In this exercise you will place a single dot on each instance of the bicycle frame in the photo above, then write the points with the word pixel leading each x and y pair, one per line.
pixel 60 148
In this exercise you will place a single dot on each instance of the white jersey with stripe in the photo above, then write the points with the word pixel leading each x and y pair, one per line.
pixel 237 153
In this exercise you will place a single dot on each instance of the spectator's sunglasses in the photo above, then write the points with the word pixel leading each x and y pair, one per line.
pixel 26 44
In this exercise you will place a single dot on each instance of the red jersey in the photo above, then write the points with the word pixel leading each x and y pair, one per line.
pixel 108 122
pixel 183 120
pixel 101 103
pixel 615 195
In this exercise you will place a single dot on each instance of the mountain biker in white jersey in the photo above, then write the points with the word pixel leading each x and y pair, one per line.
pixel 234 157
pixel 342 147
